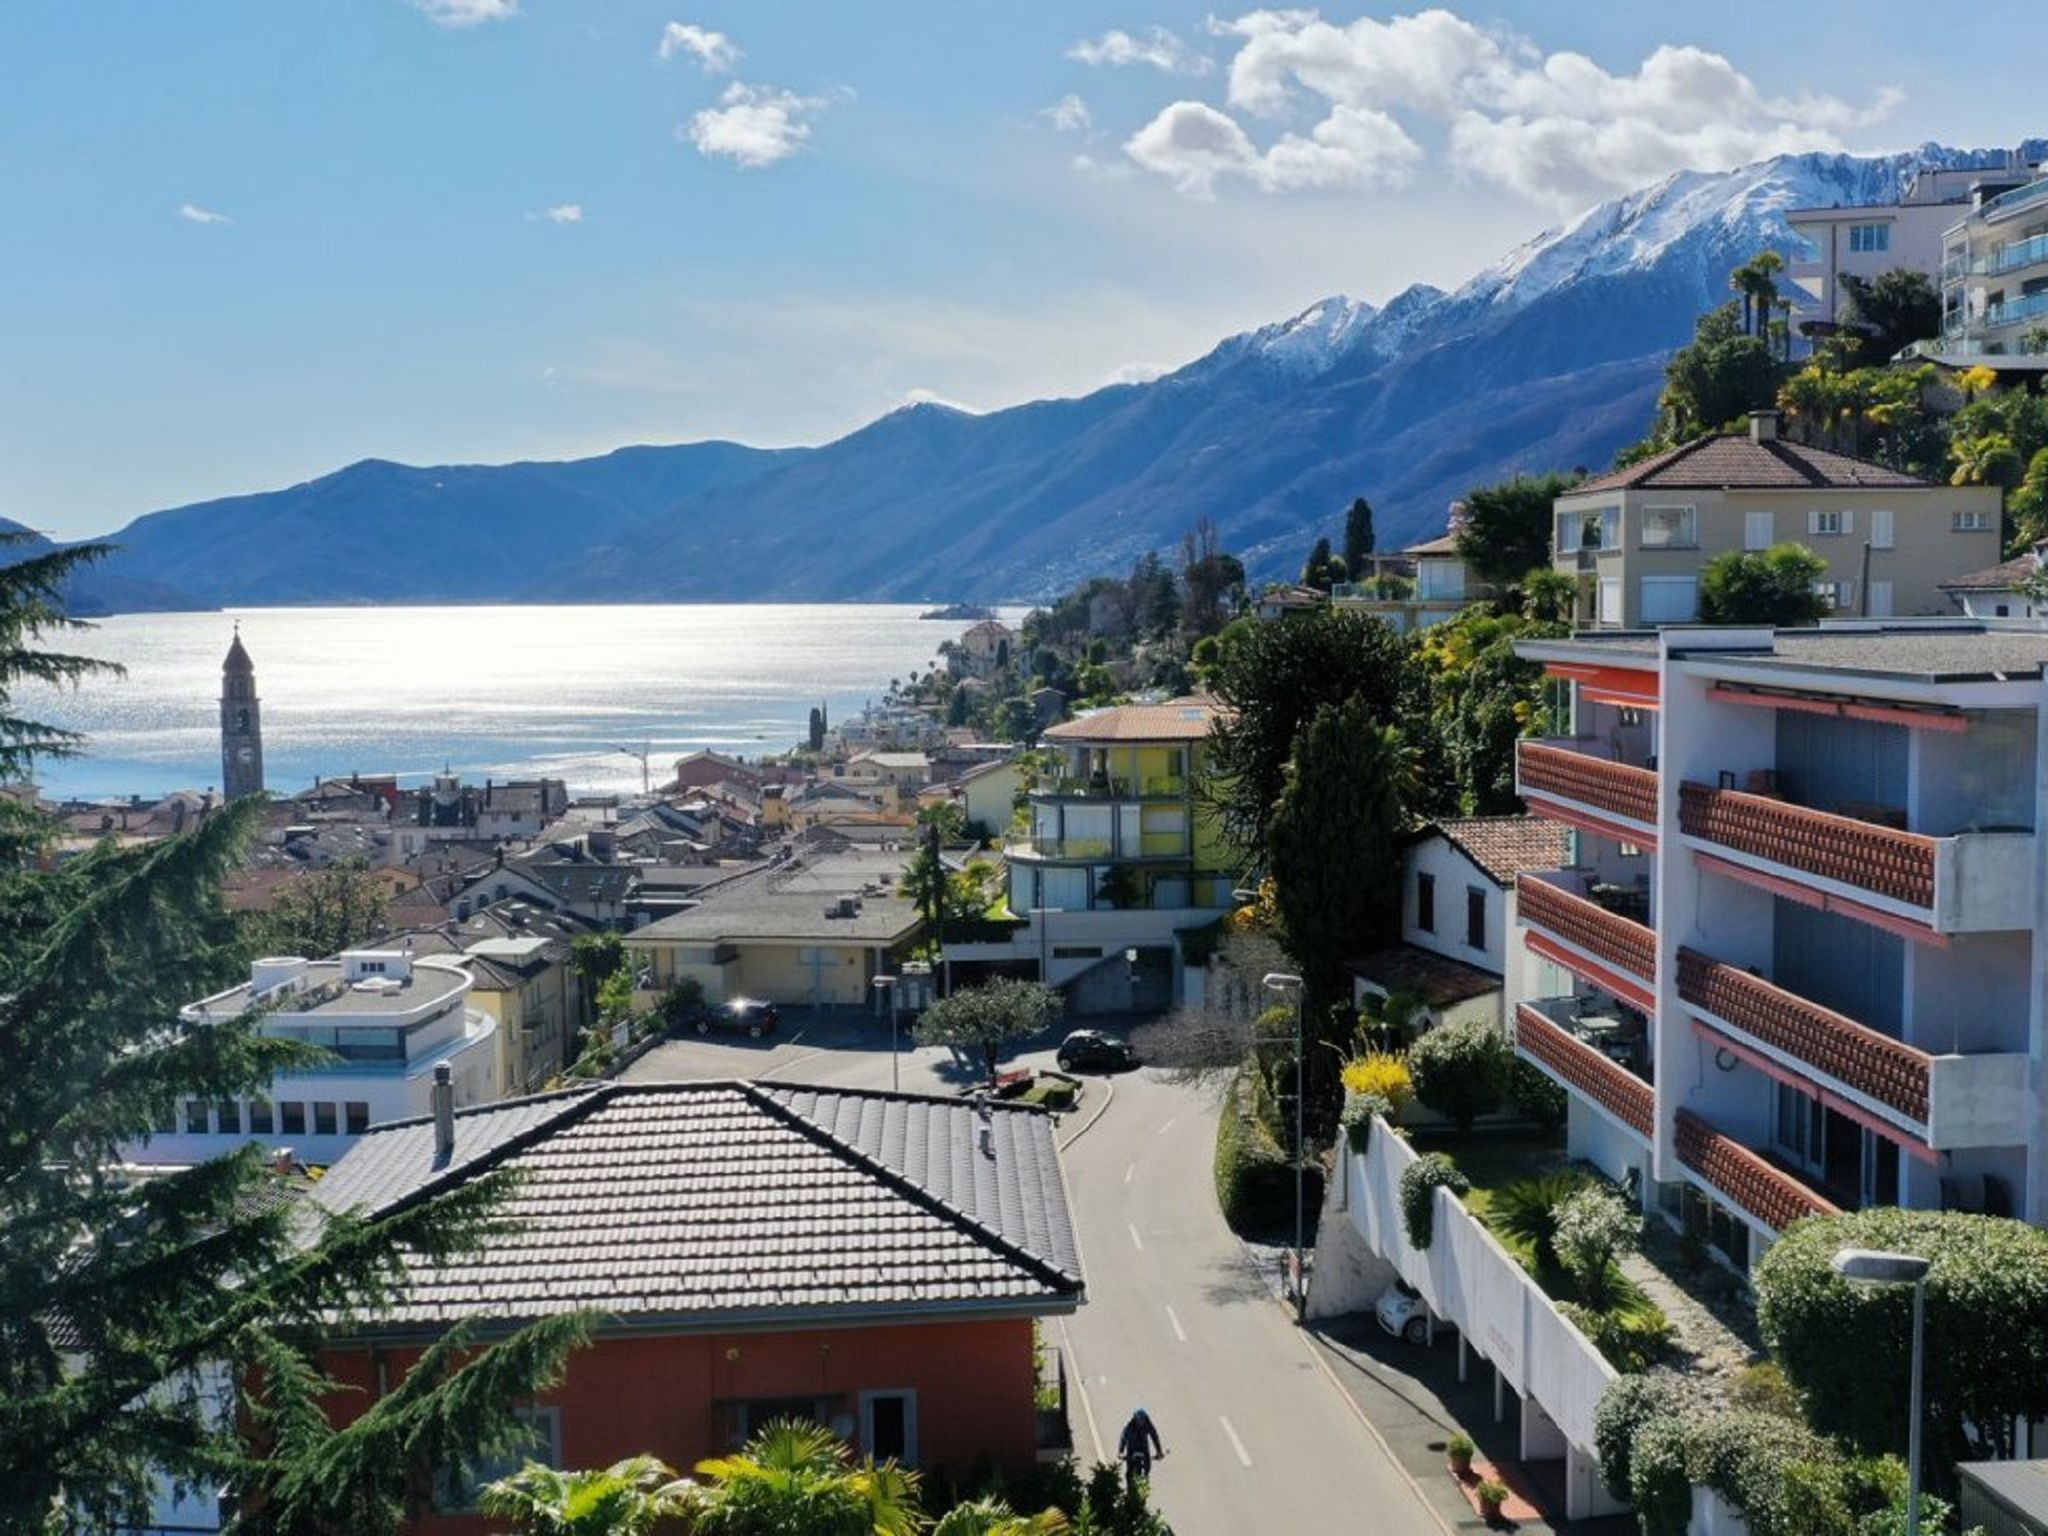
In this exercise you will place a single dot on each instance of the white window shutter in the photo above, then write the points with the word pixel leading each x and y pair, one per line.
pixel 1813 522
pixel 1881 530
pixel 1880 594
pixel 1848 520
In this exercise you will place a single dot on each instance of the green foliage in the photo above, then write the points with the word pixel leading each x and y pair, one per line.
pixel 680 1003
pixel 1526 1211
pixel 1459 1445
pixel 1507 528
pixel 1534 1096
pixel 1762 1388
pixel 624 1499
pixel 2028 504
pixel 1315 571
pixel 596 956
pixel 326 911
pixel 615 996
pixel 1892 310
pixel 988 1018
pixel 1659 1485
pixel 1717 379
pixel 1631 1337
pixel 1359 538
pixel 993 1517
pixel 1595 1226
pixel 1772 586
pixel 1461 1071
pixel 1360 1110
pixel 1628 1404
pixel 1846 1348
pixel 1254 1177
pixel 1420 1181
pixel 1483 698
pixel 1491 1493
pixel 797 1479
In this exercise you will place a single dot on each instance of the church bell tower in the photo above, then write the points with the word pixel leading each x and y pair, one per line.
pixel 241 725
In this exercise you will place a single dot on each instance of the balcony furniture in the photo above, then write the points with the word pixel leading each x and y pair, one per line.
pixel 1572 1061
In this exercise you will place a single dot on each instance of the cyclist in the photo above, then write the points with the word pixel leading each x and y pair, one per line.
pixel 1138 1445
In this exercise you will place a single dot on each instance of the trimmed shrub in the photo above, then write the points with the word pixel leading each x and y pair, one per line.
pixel 1461 1071
pixel 1254 1179
pixel 1594 1227
pixel 1381 1075
pixel 1626 1406
pixel 1658 1484
pixel 1744 1457
pixel 1846 1349
pixel 1534 1096
pixel 1359 1109
pixel 1632 1338
pixel 1526 1211
pixel 1763 1388
pixel 1419 1184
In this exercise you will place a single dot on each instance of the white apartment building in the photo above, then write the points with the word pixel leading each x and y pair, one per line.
pixel 1825 989
pixel 1869 238
pixel 388 1017
pixel 1994 277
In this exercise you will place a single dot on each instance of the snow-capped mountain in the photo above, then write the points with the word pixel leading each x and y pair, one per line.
pixel 1549 358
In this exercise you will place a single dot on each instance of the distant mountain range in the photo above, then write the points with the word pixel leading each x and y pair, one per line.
pixel 1550 358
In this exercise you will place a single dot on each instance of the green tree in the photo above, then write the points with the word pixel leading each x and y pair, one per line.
pixel 1716 379
pixel 116 1295
pixel 1986 458
pixel 1461 1071
pixel 327 911
pixel 1549 596
pixel 1335 841
pixel 797 1479
pixel 987 1019
pixel 1772 586
pixel 927 882
pixel 596 956
pixel 1316 572
pixel 1889 312
pixel 2029 503
pixel 1271 679
pixel 1483 699
pixel 993 1517
pixel 626 1498
pixel 1359 539
pixel 1507 528
pixel 814 737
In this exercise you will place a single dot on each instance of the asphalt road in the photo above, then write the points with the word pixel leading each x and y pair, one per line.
pixel 1258 1437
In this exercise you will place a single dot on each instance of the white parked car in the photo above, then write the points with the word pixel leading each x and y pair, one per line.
pixel 1403 1313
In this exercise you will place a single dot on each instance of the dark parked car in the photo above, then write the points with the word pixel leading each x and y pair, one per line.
pixel 1093 1048
pixel 740 1016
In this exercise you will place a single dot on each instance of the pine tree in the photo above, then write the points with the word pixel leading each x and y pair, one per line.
pixel 1358 538
pixel 116 1294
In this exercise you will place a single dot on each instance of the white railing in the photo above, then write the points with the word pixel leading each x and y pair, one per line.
pixel 1470 1280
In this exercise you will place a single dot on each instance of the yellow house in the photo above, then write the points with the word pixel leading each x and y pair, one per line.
pixel 525 984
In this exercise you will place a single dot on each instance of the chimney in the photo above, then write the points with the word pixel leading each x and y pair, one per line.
pixel 1763 426
pixel 444 1112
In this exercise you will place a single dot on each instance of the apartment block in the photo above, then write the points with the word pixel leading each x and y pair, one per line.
pixel 1994 278
pixel 1636 540
pixel 1866 239
pixel 1791 963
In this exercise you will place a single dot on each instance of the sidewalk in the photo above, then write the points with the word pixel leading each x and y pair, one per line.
pixel 1413 1397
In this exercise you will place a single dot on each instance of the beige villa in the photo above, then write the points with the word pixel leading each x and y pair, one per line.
pixel 1636 539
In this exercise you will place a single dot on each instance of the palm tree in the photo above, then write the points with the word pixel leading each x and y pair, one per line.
pixel 797 1479
pixel 992 1517
pixel 623 1499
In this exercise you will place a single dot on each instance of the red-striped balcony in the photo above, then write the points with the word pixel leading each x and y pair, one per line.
pixel 1864 854
pixel 1583 1069
pixel 1591 793
pixel 1744 1179
pixel 1546 903
pixel 1834 1047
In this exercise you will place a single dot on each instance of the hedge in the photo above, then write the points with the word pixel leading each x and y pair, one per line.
pixel 1420 1181
pixel 1625 1407
pixel 1254 1180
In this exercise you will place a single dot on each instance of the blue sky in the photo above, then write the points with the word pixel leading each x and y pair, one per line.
pixel 247 241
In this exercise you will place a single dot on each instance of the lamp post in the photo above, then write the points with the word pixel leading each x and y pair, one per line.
pixel 1870 1266
pixel 1286 985
pixel 1042 918
pixel 887 983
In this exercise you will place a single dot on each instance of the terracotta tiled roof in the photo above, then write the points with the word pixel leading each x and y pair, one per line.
pixel 1997 578
pixel 1185 719
pixel 1735 461
pixel 1613 1087
pixel 1504 846
pixel 1769 1194
pixel 1447 544
pixel 1437 979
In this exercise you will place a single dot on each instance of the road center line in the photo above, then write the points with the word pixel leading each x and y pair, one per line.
pixel 1170 1119
pixel 1128 1171
pixel 1137 1242
pixel 1178 1331
pixel 1236 1444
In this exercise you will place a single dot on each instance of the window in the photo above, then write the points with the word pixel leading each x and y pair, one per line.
pixel 1838 595
pixel 1759 530
pixel 1670 599
pixel 1881 529
pixel 1425 903
pixel 323 1118
pixel 1797 1127
pixel 1970 522
pixel 1669 528
pixel 230 1113
pixel 1599 528
pixel 260 1118
pixel 355 1117
pixel 291 1118
pixel 1870 239
pixel 1833 521
pixel 195 1117
pixel 888 1426
pixel 1475 917
pixel 1077 951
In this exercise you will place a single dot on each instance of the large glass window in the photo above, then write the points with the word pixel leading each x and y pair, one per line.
pixel 291 1118
pixel 1425 903
pixel 1669 528
pixel 261 1120
pixel 323 1118
pixel 230 1113
pixel 195 1117
pixel 1870 239
pixel 355 1117
pixel 1670 599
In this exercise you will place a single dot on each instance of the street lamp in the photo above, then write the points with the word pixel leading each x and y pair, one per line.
pixel 887 983
pixel 1042 917
pixel 1286 985
pixel 1870 1266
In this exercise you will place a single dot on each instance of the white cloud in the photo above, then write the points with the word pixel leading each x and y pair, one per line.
pixel 753 125
pixel 466 13
pixel 1553 126
pixel 1156 47
pixel 1195 146
pixel 933 397
pixel 561 213
pixel 193 213
pixel 714 52
pixel 1068 115
pixel 1137 373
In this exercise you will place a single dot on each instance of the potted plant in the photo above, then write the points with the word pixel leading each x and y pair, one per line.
pixel 1491 1494
pixel 1459 1449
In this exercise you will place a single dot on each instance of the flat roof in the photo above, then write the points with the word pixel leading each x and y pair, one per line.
pixel 427 984
pixel 1942 651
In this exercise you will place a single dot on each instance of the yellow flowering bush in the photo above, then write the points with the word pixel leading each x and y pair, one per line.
pixel 1382 1074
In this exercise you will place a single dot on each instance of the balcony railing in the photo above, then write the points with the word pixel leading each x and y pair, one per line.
pixel 2027 307
pixel 1744 1179
pixel 1579 1066
pixel 2021 253
pixel 1136 846
pixel 1627 946
pixel 1080 786
pixel 1863 854
pixel 1882 1069
pixel 1613 788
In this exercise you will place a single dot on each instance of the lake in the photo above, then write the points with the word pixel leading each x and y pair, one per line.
pixel 490 692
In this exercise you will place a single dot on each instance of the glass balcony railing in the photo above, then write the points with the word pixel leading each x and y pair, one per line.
pixel 2018 198
pixel 2027 307
pixel 2021 253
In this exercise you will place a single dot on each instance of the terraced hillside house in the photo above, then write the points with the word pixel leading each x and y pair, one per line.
pixel 1795 960
pixel 753 1251
pixel 1118 860
pixel 1636 540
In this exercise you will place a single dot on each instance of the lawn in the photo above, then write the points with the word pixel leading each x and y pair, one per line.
pixel 1494 1162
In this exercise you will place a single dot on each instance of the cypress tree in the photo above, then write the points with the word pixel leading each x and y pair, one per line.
pixel 1358 537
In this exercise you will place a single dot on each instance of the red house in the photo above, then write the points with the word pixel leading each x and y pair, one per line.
pixel 870 1260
